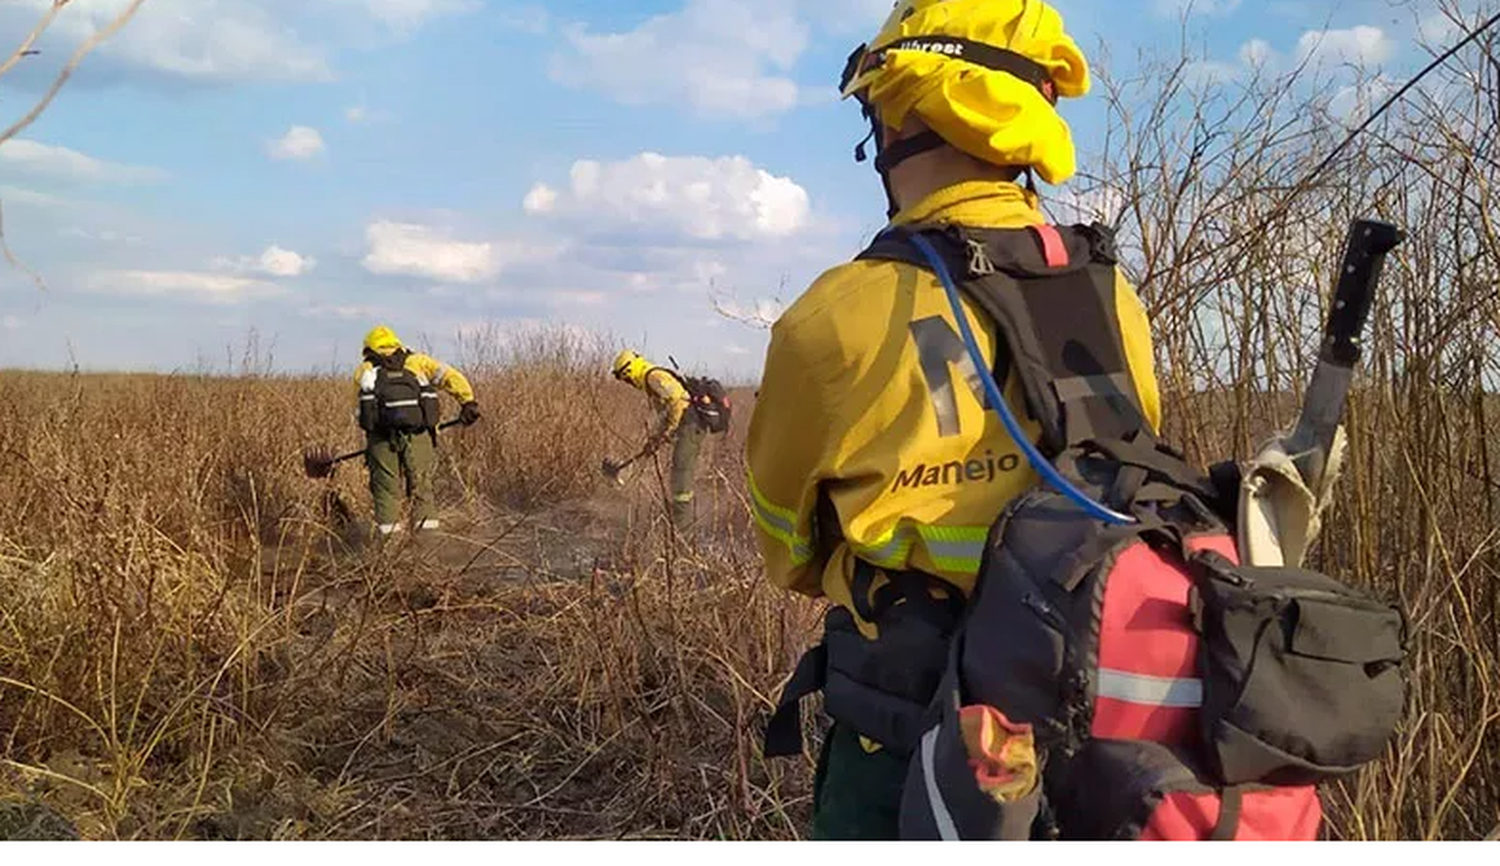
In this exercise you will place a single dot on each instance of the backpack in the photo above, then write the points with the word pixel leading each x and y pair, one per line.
pixel 394 398
pixel 1170 691
pixel 709 400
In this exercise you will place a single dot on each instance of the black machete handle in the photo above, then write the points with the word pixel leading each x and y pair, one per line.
pixel 1323 405
pixel 1364 256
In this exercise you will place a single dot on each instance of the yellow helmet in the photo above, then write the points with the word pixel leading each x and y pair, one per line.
pixel 983 75
pixel 382 340
pixel 630 367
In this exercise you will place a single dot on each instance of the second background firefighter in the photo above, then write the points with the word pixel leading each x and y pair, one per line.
pixel 672 395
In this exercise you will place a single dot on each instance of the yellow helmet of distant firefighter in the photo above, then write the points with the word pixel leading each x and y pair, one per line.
pixel 382 340
pixel 983 75
pixel 629 366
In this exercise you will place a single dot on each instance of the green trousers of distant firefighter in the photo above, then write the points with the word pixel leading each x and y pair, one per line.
pixel 392 458
pixel 689 442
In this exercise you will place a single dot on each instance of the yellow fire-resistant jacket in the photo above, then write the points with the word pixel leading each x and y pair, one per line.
pixel 845 453
pixel 670 400
pixel 437 373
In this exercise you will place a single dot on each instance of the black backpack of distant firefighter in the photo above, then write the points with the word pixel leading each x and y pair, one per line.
pixel 709 398
pixel 396 399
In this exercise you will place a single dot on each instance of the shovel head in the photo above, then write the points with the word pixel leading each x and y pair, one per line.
pixel 317 462
pixel 1280 515
pixel 611 470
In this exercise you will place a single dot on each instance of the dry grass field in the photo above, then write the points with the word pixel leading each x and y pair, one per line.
pixel 196 642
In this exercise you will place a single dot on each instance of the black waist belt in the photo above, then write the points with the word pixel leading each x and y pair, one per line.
pixel 880 688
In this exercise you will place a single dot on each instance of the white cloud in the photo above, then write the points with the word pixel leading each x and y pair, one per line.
pixel 18 195
pixel 724 59
pixel 193 285
pixel 228 40
pixel 299 142
pixel 10 323
pixel 727 198
pixel 280 262
pixel 412 249
pixel 721 58
pixel 203 40
pixel 1355 46
pixel 1353 103
pixel 541 199
pixel 1257 53
pixel 53 160
pixel 274 261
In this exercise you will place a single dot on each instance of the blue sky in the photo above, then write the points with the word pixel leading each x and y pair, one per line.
pixel 304 169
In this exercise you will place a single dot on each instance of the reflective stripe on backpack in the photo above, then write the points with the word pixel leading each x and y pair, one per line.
pixel 397 400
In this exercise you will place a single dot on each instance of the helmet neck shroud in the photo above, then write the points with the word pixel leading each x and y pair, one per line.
pixel 888 156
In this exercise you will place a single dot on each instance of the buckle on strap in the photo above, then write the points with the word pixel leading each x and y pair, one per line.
pixel 1157 458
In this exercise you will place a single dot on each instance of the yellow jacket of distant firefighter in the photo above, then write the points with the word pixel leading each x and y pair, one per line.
pixel 668 396
pixel 383 341
pixel 845 452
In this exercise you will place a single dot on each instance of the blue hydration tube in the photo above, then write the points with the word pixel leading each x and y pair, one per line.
pixel 1041 464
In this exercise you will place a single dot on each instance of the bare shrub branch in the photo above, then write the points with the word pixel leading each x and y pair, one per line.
pixel 25 49
pixel 11 256
pixel 94 41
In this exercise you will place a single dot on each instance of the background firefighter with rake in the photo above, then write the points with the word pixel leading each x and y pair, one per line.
pixel 398 408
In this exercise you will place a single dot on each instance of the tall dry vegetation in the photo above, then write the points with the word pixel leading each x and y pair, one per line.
pixel 1236 256
pixel 194 642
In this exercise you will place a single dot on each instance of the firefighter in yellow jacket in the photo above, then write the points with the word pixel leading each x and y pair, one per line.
pixel 397 394
pixel 860 416
pixel 671 401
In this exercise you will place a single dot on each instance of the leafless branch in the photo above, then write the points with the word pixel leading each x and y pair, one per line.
pixel 25 49
pixel 94 41
pixel 11 256
pixel 762 317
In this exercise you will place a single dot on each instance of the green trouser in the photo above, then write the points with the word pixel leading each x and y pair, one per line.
pixel 684 466
pixel 390 456
pixel 856 794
